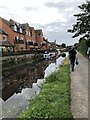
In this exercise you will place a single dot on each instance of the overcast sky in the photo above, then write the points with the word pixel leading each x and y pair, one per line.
pixel 54 17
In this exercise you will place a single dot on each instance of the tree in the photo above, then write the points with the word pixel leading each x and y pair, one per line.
pixel 63 45
pixel 82 26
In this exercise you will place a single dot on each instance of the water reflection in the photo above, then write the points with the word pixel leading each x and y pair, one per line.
pixel 52 67
pixel 21 84
pixel 14 80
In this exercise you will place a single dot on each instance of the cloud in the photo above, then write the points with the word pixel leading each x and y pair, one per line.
pixel 65 7
pixel 55 26
pixel 61 37
pixel 54 17
pixel 3 7
pixel 28 8
pixel 64 4
pixel 57 31
pixel 61 6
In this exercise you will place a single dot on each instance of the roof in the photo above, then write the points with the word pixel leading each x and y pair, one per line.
pixel 38 31
pixel 23 25
pixel 3 32
pixel 31 27
pixel 6 21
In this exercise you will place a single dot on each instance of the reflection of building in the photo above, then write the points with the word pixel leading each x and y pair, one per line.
pixel 10 88
pixel 20 78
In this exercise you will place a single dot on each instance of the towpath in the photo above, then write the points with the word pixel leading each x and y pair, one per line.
pixel 79 88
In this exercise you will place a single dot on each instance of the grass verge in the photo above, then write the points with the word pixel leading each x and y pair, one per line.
pixel 53 101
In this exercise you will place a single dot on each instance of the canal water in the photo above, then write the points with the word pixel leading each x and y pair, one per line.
pixel 21 84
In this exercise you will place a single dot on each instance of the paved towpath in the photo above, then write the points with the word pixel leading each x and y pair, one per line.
pixel 79 89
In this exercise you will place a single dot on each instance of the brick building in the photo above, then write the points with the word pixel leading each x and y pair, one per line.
pixel 19 37
pixel 40 39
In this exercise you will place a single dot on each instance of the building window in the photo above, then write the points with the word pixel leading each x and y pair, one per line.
pixel 26 32
pixel 31 43
pixel 29 34
pixel 43 43
pixel 15 28
pixel 16 39
pixel 20 30
pixel 19 40
pixel 22 38
pixel 4 38
pixel 27 43
pixel 36 44
pixel 41 36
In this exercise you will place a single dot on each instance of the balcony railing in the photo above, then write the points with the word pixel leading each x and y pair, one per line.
pixel 18 41
pixel 29 43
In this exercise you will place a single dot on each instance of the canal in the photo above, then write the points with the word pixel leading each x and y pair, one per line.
pixel 21 84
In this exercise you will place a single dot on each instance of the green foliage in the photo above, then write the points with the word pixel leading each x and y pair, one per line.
pixel 63 45
pixel 82 46
pixel 53 102
pixel 82 26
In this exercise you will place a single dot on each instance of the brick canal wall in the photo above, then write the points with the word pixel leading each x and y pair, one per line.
pixel 9 61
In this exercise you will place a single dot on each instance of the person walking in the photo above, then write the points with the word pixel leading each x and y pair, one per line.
pixel 72 57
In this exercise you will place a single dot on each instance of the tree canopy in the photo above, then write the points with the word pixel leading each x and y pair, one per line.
pixel 63 45
pixel 82 26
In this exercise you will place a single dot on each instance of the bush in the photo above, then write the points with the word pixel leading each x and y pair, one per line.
pixel 82 46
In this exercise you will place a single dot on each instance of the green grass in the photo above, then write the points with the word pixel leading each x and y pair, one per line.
pixel 53 101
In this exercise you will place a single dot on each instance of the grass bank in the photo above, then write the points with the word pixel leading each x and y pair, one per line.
pixel 53 102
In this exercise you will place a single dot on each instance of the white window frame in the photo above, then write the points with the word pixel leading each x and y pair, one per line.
pixel 26 32
pixel 29 34
pixel 22 38
pixel 20 30
pixel 17 37
pixel 15 28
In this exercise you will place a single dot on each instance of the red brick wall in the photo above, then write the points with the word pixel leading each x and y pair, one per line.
pixel 8 30
pixel 28 37
pixel 19 47
pixel 39 38
pixel 35 37
pixel 1 37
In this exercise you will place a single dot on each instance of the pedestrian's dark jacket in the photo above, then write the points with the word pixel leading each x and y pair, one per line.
pixel 72 54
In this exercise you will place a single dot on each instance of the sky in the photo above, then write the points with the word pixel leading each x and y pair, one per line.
pixel 54 17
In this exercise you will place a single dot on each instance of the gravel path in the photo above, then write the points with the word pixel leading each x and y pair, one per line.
pixel 79 89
